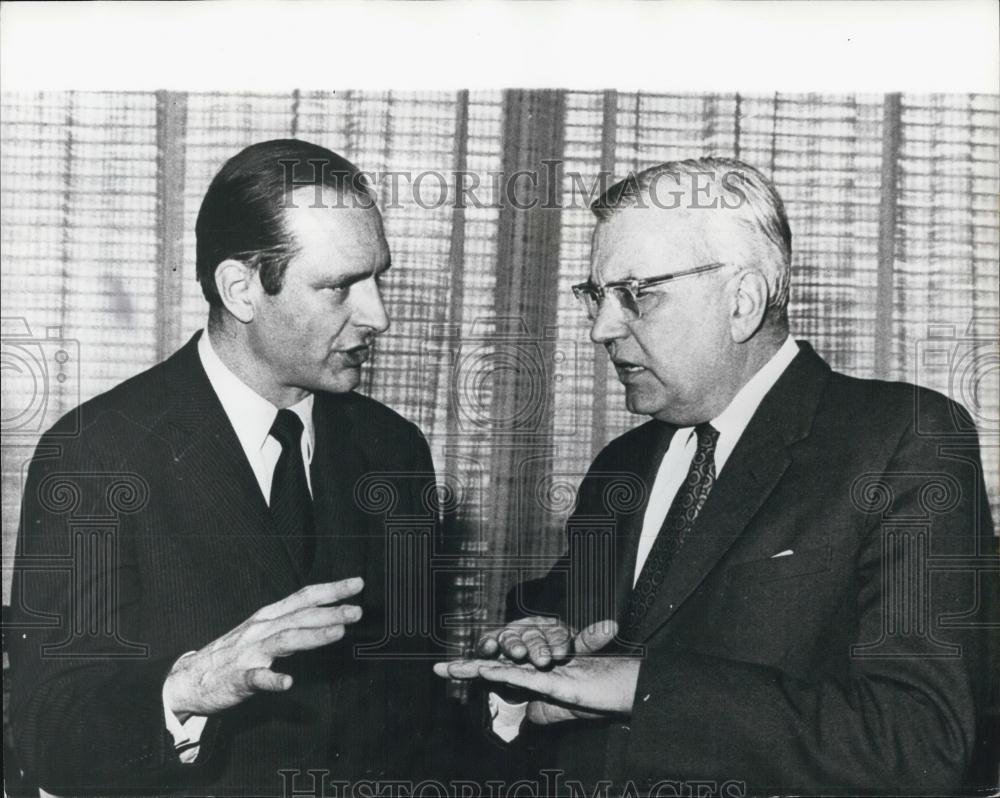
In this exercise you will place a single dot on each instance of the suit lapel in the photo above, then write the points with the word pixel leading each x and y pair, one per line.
pixel 206 448
pixel 750 475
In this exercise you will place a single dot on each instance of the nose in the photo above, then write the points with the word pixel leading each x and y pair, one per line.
pixel 369 310
pixel 609 323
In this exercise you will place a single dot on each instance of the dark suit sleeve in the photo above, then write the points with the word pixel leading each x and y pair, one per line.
pixel 422 715
pixel 905 718
pixel 86 701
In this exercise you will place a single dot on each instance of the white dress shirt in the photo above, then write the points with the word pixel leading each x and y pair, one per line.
pixel 730 423
pixel 251 416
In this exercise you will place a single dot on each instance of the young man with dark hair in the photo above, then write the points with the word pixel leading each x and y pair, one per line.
pixel 221 629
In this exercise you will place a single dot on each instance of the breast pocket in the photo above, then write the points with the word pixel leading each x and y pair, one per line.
pixel 773 569
pixel 772 611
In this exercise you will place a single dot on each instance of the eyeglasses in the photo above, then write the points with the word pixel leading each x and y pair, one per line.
pixel 629 294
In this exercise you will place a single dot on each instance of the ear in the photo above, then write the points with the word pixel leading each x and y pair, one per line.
pixel 749 305
pixel 235 283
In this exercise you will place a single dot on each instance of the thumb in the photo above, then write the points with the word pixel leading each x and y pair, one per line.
pixel 595 637
pixel 267 680
pixel 543 713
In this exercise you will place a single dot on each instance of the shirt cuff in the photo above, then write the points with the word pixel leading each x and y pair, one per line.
pixel 187 735
pixel 506 718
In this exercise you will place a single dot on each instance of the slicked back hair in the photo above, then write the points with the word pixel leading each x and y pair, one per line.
pixel 242 216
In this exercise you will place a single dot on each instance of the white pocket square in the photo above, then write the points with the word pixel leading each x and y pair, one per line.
pixel 785 553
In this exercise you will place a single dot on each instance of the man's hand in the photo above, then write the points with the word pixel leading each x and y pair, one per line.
pixel 584 686
pixel 235 666
pixel 537 639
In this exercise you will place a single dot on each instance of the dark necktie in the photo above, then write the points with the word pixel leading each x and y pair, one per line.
pixel 680 518
pixel 291 503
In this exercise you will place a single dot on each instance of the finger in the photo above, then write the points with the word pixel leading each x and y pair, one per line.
pixel 288 641
pixel 267 680
pixel 441 669
pixel 487 646
pixel 314 617
pixel 539 652
pixel 560 641
pixel 511 644
pixel 459 668
pixel 312 596
pixel 557 636
pixel 308 618
pixel 595 637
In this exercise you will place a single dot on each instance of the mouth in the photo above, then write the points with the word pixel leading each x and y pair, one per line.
pixel 627 370
pixel 356 355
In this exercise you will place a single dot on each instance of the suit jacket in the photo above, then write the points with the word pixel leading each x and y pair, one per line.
pixel 146 535
pixel 856 664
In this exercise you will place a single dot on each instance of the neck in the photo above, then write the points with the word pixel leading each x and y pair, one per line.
pixel 233 348
pixel 738 369
pixel 755 355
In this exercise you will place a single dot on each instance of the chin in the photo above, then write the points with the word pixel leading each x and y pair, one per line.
pixel 339 382
pixel 642 404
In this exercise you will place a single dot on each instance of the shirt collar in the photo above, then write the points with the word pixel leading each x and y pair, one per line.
pixel 734 419
pixel 250 413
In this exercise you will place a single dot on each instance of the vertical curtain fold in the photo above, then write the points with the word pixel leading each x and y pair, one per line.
pixel 887 219
pixel 525 345
pixel 171 121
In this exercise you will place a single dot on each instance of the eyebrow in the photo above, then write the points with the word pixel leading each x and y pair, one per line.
pixel 351 278
pixel 628 275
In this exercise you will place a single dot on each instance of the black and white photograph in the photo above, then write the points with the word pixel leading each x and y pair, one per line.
pixel 500 400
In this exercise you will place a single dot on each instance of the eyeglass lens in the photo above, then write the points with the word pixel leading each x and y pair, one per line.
pixel 625 299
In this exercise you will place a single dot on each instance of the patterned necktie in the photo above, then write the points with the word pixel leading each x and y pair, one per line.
pixel 680 518
pixel 291 503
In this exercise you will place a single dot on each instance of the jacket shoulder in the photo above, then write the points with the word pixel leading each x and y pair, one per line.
pixel 384 435
pixel 138 399
pixel 897 405
pixel 371 413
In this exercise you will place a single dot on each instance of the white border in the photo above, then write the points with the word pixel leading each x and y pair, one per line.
pixel 828 46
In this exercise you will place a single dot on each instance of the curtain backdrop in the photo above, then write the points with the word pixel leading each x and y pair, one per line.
pixel 892 202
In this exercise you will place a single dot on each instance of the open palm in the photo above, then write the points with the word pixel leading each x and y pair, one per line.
pixel 586 685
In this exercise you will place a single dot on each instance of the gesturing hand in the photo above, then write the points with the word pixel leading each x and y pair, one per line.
pixel 538 639
pixel 235 666
pixel 582 686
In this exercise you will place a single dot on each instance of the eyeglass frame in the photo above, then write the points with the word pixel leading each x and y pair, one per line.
pixel 634 286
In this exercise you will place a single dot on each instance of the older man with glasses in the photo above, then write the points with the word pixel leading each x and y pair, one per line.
pixel 773 614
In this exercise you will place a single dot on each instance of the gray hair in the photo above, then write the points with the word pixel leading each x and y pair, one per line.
pixel 735 186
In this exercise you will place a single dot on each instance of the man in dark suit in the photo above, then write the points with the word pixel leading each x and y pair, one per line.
pixel 202 584
pixel 784 581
